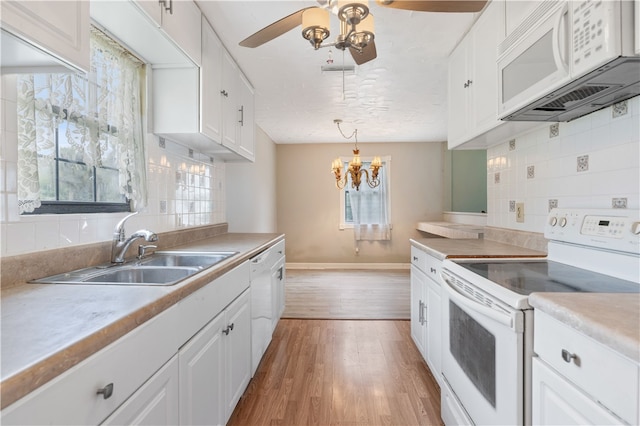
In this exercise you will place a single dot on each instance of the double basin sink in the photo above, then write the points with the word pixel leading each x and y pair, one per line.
pixel 163 268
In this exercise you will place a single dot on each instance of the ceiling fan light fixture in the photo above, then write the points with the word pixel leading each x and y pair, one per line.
pixel 363 35
pixel 352 13
pixel 315 25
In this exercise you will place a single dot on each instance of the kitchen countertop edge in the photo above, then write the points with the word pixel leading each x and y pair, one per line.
pixel 606 318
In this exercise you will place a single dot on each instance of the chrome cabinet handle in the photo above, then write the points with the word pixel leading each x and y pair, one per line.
pixel 467 83
pixel 106 391
pixel 228 329
pixel 241 121
pixel 224 93
pixel 415 258
pixel 420 312
pixel 170 8
pixel 568 357
pixel 433 271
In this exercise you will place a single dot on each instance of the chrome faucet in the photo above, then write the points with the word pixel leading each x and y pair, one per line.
pixel 121 243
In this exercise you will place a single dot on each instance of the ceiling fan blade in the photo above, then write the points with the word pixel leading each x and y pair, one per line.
pixel 274 30
pixel 452 6
pixel 368 53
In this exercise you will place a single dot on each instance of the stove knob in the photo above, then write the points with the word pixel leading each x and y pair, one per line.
pixel 635 228
pixel 553 221
pixel 563 222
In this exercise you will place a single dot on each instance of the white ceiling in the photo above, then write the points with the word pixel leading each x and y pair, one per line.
pixel 401 96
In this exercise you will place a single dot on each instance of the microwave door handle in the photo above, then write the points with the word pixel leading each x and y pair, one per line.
pixel 504 319
pixel 557 48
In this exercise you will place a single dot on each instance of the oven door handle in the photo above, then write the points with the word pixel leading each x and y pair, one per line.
pixel 504 319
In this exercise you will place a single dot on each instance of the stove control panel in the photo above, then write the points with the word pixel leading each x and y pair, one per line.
pixel 614 229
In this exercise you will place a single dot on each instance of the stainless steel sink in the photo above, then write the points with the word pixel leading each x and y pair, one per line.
pixel 160 269
pixel 142 275
pixel 181 258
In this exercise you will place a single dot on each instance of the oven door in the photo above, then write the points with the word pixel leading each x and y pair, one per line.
pixel 483 345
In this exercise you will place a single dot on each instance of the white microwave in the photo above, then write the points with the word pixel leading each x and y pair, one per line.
pixel 567 59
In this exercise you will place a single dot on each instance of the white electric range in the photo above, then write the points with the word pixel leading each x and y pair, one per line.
pixel 487 320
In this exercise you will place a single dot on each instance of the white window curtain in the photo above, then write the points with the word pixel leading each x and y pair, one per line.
pixel 370 209
pixel 106 109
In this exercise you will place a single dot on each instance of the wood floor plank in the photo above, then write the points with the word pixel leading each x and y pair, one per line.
pixel 347 294
pixel 348 372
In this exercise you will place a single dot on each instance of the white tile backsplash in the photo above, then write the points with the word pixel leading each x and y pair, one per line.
pixel 612 146
pixel 201 198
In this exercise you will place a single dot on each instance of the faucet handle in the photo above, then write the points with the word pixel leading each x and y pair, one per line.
pixel 142 249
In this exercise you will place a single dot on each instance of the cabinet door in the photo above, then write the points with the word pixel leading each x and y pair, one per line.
pixel 277 292
pixel 418 283
pixel 202 376
pixel 211 81
pixel 434 330
pixel 153 8
pixel 237 350
pixel 155 403
pixel 230 102
pixel 558 402
pixel 182 22
pixel 246 130
pixel 458 92
pixel 487 32
pixel 58 27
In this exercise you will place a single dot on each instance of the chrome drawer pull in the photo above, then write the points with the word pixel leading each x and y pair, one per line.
pixel 568 356
pixel 106 391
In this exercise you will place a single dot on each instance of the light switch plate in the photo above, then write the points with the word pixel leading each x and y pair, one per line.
pixel 520 212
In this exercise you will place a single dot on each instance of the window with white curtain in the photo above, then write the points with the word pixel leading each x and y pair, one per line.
pixel 80 138
pixel 367 211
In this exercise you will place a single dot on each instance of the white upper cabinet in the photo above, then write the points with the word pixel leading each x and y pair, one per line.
pixel 180 19
pixel 202 107
pixel 246 131
pixel 473 78
pixel 211 83
pixel 60 28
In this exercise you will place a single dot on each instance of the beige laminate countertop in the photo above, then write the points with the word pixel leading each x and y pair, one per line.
pixel 451 230
pixel 443 248
pixel 47 329
pixel 610 319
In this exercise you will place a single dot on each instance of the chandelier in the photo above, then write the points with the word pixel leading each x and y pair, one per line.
pixel 354 169
pixel 356 25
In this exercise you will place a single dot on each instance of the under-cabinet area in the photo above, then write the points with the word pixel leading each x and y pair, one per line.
pixel 178 354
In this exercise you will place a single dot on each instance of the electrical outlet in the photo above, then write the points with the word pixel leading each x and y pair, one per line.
pixel 520 212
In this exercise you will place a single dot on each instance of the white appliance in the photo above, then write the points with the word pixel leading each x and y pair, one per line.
pixel 568 59
pixel 487 320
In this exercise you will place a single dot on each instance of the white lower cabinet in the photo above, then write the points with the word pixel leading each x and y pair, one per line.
pixel 155 403
pixel 188 365
pixel 426 310
pixel 578 381
pixel 215 366
pixel 558 402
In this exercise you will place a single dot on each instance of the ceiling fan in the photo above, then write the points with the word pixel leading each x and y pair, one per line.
pixel 356 23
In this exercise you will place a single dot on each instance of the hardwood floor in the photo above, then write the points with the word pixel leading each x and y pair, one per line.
pixel 347 294
pixel 328 372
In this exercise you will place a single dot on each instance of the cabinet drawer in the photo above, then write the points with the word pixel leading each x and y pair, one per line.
pixel 599 371
pixel 419 258
pixel 72 399
pixel 433 267
pixel 202 306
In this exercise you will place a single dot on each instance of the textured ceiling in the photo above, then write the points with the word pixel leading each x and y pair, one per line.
pixel 401 96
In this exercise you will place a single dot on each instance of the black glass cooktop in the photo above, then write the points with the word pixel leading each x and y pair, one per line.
pixel 548 276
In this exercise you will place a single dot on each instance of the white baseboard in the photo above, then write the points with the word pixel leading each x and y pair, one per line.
pixel 366 266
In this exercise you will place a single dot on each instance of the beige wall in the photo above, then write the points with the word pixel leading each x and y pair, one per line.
pixel 251 189
pixel 308 203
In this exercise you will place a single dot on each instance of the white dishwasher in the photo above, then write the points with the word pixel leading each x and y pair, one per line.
pixel 263 312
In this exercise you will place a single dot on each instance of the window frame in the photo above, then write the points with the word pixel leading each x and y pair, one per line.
pixel 386 163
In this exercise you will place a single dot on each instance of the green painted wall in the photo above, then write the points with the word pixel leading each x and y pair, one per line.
pixel 469 181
